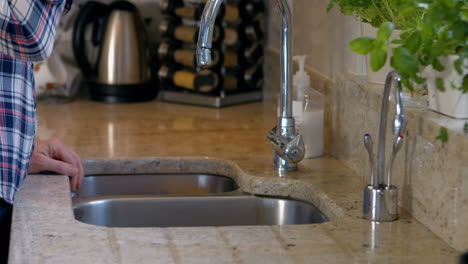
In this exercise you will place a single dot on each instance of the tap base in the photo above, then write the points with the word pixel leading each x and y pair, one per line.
pixel 380 203
pixel 283 165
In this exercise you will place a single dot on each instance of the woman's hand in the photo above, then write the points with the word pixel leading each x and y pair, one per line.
pixel 52 155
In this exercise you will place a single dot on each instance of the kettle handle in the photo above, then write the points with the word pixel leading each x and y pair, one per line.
pixel 91 12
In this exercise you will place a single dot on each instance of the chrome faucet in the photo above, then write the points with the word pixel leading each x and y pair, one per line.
pixel 381 199
pixel 288 145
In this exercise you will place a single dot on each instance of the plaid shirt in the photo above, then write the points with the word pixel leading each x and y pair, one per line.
pixel 27 31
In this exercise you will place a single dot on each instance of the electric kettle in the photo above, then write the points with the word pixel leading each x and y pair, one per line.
pixel 121 71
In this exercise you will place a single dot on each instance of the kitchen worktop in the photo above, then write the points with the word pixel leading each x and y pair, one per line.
pixel 161 137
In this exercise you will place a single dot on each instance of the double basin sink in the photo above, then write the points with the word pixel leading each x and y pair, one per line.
pixel 177 200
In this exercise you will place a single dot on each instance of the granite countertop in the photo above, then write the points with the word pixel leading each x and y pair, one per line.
pixel 160 137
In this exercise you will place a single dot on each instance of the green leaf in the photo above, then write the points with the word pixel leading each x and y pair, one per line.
pixel 437 65
pixel 419 80
pixel 397 42
pixel 440 84
pixel 404 62
pixel 425 59
pixel 405 35
pixel 406 82
pixel 457 31
pixel 448 3
pixel 464 87
pixel 362 45
pixel 413 43
pixel 443 135
pixel 464 15
pixel 330 5
pixel 385 31
pixel 380 45
pixel 458 63
pixel 377 59
pixel 426 28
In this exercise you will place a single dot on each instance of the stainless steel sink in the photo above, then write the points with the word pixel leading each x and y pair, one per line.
pixel 176 200
pixel 196 211
pixel 155 184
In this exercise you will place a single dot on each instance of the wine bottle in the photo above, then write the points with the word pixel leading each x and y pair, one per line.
pixel 170 53
pixel 243 79
pixel 234 36
pixel 254 32
pixel 194 12
pixel 252 54
pixel 244 10
pixel 204 81
pixel 189 34
pixel 191 11
pixel 168 6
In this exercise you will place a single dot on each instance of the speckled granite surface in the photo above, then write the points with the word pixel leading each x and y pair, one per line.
pixel 229 141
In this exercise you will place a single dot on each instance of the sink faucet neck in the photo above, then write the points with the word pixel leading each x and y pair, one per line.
pixel 286 59
pixel 380 201
pixel 288 145
pixel 398 124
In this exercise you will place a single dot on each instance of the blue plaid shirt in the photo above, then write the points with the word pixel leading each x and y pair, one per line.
pixel 27 31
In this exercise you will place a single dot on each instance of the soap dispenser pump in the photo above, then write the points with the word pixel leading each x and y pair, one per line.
pixel 301 83
pixel 308 106
pixel 301 78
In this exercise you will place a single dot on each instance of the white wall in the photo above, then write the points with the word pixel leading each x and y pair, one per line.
pixel 323 36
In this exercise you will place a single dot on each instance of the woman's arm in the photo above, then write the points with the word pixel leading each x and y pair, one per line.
pixel 27 27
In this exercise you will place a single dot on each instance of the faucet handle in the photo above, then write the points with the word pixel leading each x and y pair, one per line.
pixel 295 149
pixel 397 143
pixel 289 148
pixel 369 144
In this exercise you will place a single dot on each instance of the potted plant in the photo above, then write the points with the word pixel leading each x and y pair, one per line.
pixel 445 55
pixel 380 18
pixel 433 42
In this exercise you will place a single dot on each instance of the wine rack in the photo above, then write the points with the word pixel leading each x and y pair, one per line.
pixel 236 75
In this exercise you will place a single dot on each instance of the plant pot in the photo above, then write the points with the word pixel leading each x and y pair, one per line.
pixel 377 77
pixel 451 102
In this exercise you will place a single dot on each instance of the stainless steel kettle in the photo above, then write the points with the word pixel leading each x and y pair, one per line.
pixel 121 72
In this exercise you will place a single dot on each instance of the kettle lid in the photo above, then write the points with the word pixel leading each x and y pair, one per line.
pixel 123 5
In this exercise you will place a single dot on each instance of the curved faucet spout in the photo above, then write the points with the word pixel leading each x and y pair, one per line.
pixel 399 121
pixel 285 132
pixel 380 201
pixel 204 45
pixel 205 36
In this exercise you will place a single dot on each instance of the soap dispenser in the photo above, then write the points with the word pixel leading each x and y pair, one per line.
pixel 308 106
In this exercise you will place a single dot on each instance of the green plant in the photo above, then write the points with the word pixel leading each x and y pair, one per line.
pixel 376 12
pixel 429 29
pixel 443 135
pixel 443 30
